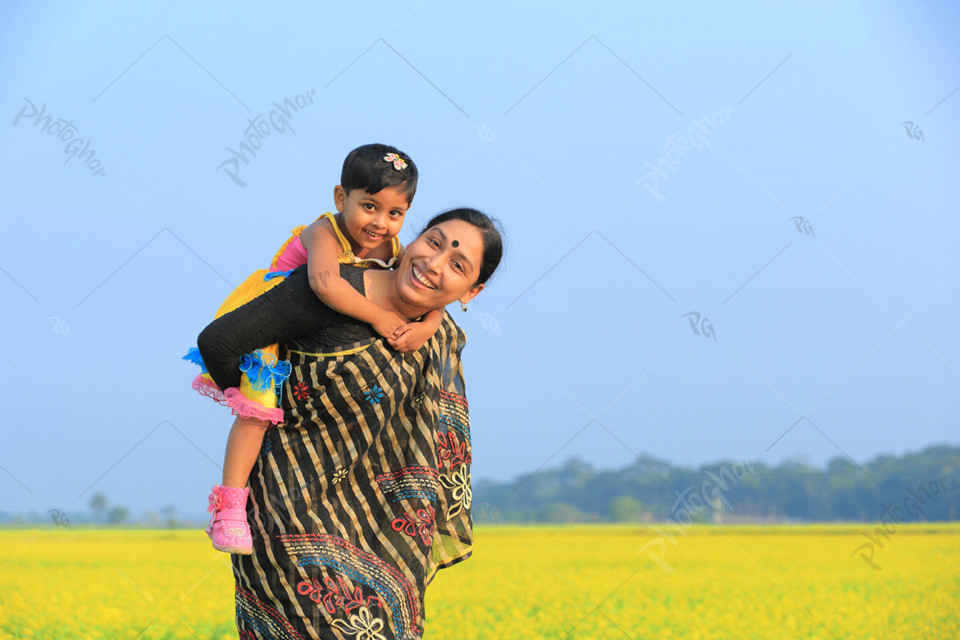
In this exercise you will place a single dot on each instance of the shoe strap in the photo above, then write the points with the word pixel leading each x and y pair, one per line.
pixel 230 514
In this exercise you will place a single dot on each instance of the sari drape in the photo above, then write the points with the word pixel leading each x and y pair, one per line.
pixel 361 495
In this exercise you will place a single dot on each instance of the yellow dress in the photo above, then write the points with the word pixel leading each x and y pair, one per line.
pixel 263 373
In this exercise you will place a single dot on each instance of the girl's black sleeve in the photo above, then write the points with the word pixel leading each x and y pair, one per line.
pixel 288 311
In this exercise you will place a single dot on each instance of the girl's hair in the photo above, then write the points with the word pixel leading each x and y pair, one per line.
pixel 492 242
pixel 366 169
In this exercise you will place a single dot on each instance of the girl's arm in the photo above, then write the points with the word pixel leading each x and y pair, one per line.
pixel 323 248
pixel 285 312
pixel 413 335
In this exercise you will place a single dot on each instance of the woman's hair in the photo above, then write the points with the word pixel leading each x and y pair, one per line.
pixel 492 242
pixel 366 169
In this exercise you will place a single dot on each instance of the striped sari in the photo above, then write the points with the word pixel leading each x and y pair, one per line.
pixel 360 495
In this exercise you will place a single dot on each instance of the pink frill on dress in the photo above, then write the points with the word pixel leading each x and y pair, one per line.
pixel 244 406
pixel 207 388
pixel 239 404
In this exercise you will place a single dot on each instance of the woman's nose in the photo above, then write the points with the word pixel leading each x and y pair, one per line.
pixel 435 262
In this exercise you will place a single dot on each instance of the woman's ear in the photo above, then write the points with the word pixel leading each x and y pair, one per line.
pixel 339 197
pixel 470 294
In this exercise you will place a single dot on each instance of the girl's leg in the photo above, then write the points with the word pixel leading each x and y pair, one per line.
pixel 243 447
pixel 229 530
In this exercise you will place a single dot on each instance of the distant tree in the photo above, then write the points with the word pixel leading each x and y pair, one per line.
pixel 560 512
pixel 626 509
pixel 99 505
pixel 152 519
pixel 119 515
pixel 169 514
pixel 574 472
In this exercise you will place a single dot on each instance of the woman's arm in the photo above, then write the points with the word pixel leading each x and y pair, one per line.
pixel 285 312
pixel 413 335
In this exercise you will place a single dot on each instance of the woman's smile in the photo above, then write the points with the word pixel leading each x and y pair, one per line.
pixel 435 272
pixel 421 280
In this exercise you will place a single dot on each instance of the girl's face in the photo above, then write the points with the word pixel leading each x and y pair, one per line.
pixel 442 265
pixel 371 219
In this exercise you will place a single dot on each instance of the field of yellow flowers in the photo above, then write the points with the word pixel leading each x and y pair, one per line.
pixel 816 582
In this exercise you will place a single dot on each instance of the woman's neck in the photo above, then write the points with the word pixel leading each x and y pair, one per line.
pixel 381 287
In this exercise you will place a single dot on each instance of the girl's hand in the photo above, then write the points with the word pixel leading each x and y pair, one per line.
pixel 387 324
pixel 410 337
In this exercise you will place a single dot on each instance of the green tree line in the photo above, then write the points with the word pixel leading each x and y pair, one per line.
pixel 923 486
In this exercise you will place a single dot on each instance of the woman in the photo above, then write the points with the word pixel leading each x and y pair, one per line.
pixel 363 492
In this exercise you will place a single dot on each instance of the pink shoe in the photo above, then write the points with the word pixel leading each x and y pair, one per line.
pixel 228 527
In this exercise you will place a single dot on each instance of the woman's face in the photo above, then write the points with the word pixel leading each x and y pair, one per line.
pixel 442 265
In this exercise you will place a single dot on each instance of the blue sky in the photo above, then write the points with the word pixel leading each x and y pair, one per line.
pixel 723 240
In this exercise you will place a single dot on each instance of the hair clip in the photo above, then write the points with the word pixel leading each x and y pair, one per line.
pixel 398 162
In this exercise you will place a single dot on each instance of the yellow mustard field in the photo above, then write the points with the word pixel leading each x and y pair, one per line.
pixel 817 582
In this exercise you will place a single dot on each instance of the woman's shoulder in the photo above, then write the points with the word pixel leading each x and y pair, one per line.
pixel 450 333
pixel 353 274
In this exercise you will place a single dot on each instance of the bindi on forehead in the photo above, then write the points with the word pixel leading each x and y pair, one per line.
pixel 455 244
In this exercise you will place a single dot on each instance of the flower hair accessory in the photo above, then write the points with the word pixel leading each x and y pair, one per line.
pixel 398 162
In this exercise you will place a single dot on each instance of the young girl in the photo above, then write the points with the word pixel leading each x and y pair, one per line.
pixel 376 187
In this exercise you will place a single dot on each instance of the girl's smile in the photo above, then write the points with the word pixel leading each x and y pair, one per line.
pixel 370 219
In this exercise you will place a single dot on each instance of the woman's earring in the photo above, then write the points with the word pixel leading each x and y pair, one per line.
pixel 463 307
